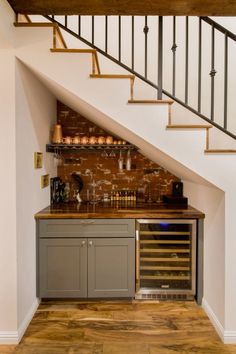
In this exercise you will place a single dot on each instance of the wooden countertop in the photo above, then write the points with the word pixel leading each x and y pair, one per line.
pixel 117 211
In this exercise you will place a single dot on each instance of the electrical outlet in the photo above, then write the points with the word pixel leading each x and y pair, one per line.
pixel 38 160
pixel 44 181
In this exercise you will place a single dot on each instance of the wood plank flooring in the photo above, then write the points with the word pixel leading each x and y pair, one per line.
pixel 119 327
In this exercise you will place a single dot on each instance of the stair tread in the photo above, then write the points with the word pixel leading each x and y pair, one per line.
pixel 220 151
pixel 151 101
pixel 68 50
pixel 112 76
pixel 35 24
pixel 189 126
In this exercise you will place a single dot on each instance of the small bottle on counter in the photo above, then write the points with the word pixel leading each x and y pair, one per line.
pixel 67 192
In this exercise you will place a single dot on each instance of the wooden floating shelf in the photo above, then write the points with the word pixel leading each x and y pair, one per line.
pixel 89 147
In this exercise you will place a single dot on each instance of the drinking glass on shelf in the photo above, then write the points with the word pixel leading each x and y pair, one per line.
pixel 57 158
pixel 128 161
pixel 60 158
pixel 112 154
pixel 120 161
pixel 104 154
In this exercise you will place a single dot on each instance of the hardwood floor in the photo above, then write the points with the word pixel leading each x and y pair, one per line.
pixel 119 327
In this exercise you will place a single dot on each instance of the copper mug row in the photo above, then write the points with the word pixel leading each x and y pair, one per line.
pixel 87 140
pixel 58 139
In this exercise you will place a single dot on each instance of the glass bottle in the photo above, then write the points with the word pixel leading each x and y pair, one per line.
pixel 67 192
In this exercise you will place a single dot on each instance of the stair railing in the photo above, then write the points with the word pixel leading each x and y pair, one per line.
pixel 166 80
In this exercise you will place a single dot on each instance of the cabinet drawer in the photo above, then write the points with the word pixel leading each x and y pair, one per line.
pixel 86 228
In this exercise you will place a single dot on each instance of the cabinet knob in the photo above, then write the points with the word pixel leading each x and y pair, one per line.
pixel 83 243
pixel 90 243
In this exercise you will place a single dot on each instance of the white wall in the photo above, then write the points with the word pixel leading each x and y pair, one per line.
pixel 27 112
pixel 211 201
pixel 8 201
pixel 8 276
pixel 35 114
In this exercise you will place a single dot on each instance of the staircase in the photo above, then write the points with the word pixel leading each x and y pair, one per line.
pixel 58 40
pixel 193 138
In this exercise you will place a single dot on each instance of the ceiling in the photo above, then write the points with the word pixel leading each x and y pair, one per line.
pixel 126 7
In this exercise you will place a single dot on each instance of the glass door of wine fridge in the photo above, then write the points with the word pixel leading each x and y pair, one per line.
pixel 165 258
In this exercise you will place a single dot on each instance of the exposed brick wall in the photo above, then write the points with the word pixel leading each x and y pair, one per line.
pixel 146 177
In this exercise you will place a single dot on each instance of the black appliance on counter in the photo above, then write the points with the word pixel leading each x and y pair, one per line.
pixel 176 198
pixel 57 188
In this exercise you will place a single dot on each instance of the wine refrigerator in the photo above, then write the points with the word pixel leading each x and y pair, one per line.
pixel 165 259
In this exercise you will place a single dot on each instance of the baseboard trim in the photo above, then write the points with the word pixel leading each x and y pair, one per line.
pixel 8 337
pixel 14 337
pixel 230 337
pixel 214 320
pixel 22 328
pixel 227 337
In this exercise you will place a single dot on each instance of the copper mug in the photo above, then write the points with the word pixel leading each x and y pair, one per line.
pixel 57 134
pixel 109 140
pixel 101 140
pixel 84 140
pixel 67 140
pixel 76 140
pixel 92 140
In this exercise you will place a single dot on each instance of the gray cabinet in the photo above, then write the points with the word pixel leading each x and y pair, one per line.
pixel 86 258
pixel 111 267
pixel 63 268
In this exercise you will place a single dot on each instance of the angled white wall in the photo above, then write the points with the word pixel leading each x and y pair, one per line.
pixel 35 115
pixel 27 112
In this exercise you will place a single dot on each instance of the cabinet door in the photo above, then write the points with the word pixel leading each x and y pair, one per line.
pixel 111 267
pixel 63 268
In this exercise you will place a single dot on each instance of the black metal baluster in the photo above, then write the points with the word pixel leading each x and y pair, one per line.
pixel 213 71
pixel 226 82
pixel 173 48
pixel 106 32
pixel 160 58
pixel 145 30
pixel 92 29
pixel 199 64
pixel 186 60
pixel 119 38
pixel 79 25
pixel 132 45
pixel 66 21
